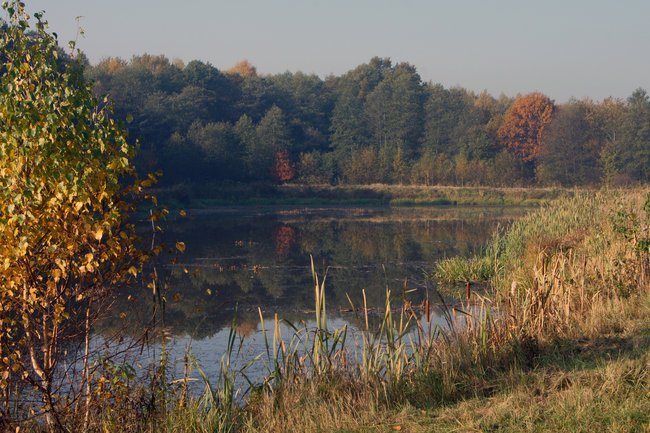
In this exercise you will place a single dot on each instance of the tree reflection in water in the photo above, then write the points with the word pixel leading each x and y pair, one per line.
pixel 260 258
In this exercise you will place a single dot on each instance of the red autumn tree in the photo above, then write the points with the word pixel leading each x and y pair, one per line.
pixel 523 125
pixel 283 170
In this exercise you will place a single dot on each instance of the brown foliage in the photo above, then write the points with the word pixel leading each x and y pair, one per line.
pixel 111 65
pixel 243 68
pixel 523 125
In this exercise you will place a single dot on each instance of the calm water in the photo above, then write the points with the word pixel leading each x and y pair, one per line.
pixel 253 258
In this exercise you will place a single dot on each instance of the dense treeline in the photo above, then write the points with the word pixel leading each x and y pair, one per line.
pixel 376 123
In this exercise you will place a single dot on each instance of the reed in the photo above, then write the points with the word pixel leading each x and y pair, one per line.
pixel 327 346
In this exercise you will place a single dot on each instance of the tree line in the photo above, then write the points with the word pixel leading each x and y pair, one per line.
pixel 379 122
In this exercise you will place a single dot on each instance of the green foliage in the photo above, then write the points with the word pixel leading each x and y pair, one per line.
pixel 570 151
pixel 315 168
pixel 271 136
pixel 632 158
pixel 419 132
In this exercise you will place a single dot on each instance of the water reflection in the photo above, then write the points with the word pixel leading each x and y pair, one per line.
pixel 260 258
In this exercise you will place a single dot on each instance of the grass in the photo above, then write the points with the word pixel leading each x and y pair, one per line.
pixel 465 270
pixel 558 342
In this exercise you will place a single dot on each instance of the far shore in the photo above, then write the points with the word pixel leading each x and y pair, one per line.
pixel 205 196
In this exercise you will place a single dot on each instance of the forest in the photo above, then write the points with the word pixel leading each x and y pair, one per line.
pixel 377 123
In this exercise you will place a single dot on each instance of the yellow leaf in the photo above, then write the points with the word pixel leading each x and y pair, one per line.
pixel 60 263
pixel 180 246
pixel 133 271
pixel 182 213
pixel 98 234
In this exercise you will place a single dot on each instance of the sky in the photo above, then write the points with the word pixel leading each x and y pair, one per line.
pixel 563 48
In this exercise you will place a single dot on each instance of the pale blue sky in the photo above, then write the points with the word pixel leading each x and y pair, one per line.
pixel 564 48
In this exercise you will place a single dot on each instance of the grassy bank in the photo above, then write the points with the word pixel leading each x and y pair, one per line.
pixel 559 342
pixel 210 195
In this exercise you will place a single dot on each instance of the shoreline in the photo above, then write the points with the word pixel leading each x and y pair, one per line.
pixel 372 196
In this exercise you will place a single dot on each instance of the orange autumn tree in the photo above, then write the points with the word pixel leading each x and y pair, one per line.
pixel 523 125
pixel 243 68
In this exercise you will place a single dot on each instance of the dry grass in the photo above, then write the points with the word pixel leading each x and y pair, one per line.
pixel 585 385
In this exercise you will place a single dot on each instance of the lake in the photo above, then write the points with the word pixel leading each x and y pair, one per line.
pixel 239 260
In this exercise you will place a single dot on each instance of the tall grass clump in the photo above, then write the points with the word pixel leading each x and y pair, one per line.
pixel 465 270
pixel 562 264
pixel 553 269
